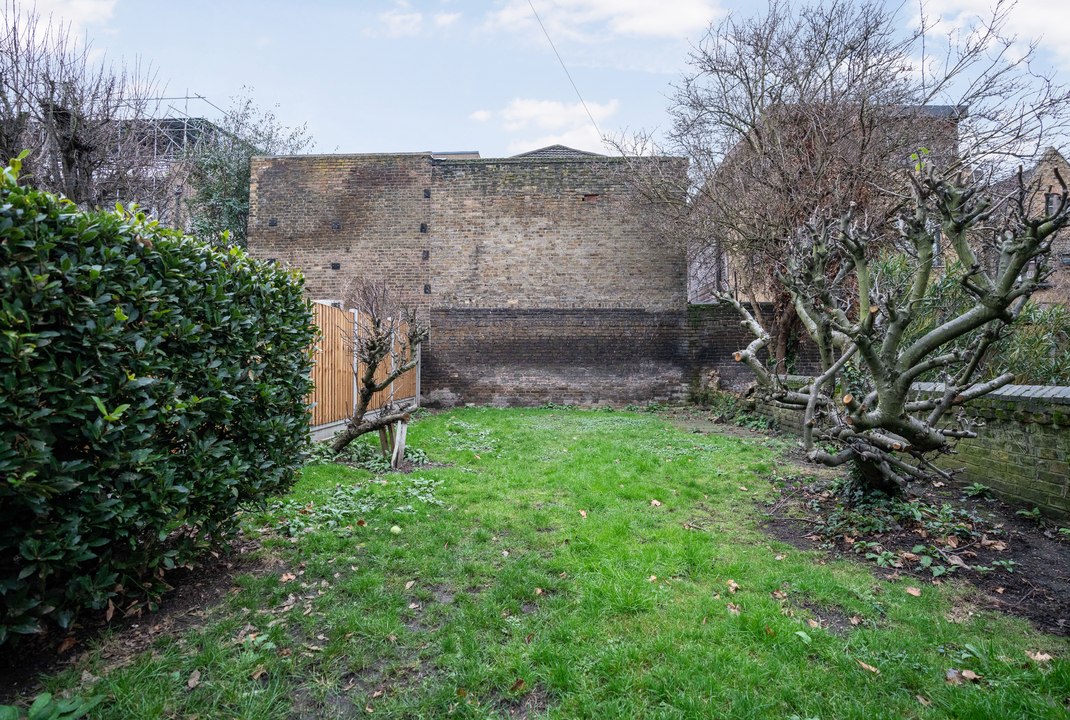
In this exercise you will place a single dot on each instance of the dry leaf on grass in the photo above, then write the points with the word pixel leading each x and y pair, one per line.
pixel 953 676
pixel 732 586
pixel 258 672
pixel 872 669
pixel 538 591
pixel 194 679
pixel 970 675
pixel 1040 657
pixel 287 577
pixel 769 631
pixel 368 709
pixel 855 620
pixel 110 612
pixel 780 557
pixel 518 686
pixel 911 590
pixel 66 645
pixel 813 623
pixel 409 584
pixel 779 595
pixel 743 488
pixel 655 503
pixel 734 609
pixel 529 638
pixel 652 578
pixel 923 701
pixel 583 514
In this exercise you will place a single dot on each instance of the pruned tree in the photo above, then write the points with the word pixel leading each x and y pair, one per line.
pixel 867 402
pixel 87 124
pixel 219 168
pixel 817 144
pixel 386 334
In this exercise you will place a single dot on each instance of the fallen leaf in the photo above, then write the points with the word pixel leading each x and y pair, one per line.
pixel 1000 590
pixel 913 591
pixel 953 676
pixel 779 595
pixel 110 612
pixel 803 636
pixel 734 609
pixel 743 488
pixel 66 645
pixel 999 546
pixel 732 586
pixel 780 557
pixel 518 686
pixel 769 631
pixel 368 709
pixel 361 523
pixel 652 578
pixel 923 701
pixel 563 575
pixel 655 503
pixel 413 606
pixel 478 458
pixel 194 679
pixel 938 484
pixel 704 620
pixel 350 686
pixel 872 669
pixel 1040 657
pixel 392 637
pixel 505 553
pixel 815 538
pixel 538 591
pixel 461 692
pixel 956 560
pixel 909 556
pixel 287 577
pixel 855 620
pixel 583 514
pixel 286 652
pixel 409 584
pixel 970 675
pixel 258 672
pixel 529 638
pixel 813 623
pixel 951 541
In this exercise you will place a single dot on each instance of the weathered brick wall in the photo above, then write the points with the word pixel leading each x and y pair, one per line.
pixel 544 291
pixel 1022 448
pixel 519 233
pixel 362 212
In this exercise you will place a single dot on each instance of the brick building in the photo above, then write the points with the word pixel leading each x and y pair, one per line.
pixel 536 284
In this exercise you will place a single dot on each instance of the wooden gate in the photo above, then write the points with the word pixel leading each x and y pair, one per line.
pixel 333 377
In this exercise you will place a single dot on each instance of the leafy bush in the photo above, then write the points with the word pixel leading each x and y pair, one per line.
pixel 147 383
pixel 1037 351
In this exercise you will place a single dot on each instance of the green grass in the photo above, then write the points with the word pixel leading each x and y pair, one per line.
pixel 622 614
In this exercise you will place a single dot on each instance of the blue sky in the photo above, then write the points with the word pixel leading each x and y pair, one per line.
pixel 442 75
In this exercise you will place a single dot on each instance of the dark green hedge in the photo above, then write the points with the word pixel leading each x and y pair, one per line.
pixel 147 383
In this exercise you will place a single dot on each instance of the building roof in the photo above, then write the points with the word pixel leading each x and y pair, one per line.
pixel 557 151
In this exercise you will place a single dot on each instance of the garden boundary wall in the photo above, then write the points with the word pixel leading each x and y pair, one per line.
pixel 1021 449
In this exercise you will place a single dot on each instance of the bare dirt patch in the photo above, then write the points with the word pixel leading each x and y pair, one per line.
pixel 1029 561
pixel 195 591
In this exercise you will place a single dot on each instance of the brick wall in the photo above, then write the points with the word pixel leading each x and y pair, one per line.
pixel 361 212
pixel 1021 449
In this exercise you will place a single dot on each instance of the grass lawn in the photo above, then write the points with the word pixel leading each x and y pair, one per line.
pixel 571 564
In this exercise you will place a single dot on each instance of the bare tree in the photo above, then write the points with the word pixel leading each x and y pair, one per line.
pixel 86 124
pixel 818 143
pixel 386 334
pixel 867 401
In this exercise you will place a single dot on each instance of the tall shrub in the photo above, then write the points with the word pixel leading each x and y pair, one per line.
pixel 148 383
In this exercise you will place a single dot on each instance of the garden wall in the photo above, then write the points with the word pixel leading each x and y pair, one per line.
pixel 1021 449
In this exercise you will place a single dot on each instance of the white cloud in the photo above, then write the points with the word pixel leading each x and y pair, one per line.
pixel 446 19
pixel 402 22
pixel 480 115
pixel 1028 19
pixel 79 13
pixel 553 123
pixel 593 19
pixel 553 115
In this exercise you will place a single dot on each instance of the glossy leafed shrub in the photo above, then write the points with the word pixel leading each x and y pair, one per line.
pixel 149 387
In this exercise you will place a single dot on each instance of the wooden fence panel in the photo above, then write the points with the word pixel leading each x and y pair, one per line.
pixel 332 374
